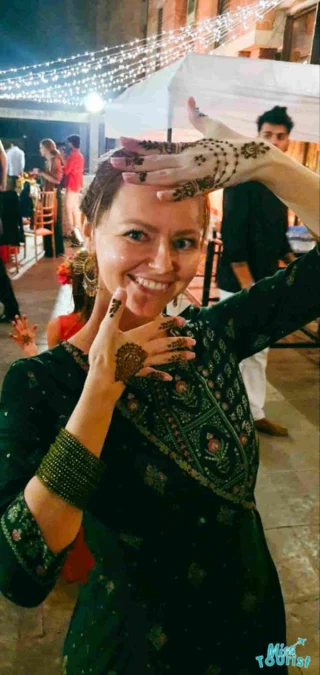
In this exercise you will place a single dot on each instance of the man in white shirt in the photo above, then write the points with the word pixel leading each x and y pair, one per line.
pixel 16 164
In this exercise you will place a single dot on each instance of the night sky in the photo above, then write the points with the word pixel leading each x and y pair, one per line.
pixel 37 30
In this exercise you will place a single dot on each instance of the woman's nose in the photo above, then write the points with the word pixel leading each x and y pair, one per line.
pixel 162 259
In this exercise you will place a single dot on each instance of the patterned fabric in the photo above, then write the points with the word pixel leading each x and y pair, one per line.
pixel 181 561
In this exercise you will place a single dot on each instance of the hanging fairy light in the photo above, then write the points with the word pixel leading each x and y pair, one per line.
pixel 105 73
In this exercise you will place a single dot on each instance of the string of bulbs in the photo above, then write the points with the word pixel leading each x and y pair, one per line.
pixel 110 70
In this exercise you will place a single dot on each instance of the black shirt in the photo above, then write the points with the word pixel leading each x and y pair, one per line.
pixel 253 230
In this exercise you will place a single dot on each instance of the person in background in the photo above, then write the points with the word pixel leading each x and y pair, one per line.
pixel 254 229
pixel 16 164
pixel 3 168
pixel 73 171
pixel 7 296
pixel 52 177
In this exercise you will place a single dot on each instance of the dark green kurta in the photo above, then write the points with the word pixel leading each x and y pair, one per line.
pixel 183 582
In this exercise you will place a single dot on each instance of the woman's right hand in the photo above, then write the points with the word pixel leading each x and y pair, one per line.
pixel 115 356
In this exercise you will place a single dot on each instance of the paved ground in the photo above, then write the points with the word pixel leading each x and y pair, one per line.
pixel 287 495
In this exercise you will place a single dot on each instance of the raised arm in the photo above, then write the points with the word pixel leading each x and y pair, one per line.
pixel 273 308
pixel 221 159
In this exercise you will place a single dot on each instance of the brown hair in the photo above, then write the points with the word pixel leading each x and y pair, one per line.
pixel 106 185
pixel 83 303
pixel 50 145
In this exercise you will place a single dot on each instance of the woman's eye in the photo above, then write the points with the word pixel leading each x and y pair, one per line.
pixel 136 235
pixel 183 244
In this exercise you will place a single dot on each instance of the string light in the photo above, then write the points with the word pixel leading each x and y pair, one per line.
pixel 109 71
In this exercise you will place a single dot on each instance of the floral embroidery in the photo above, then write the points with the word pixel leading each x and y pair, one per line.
pixel 196 575
pixel 216 356
pixel 155 478
pixel 131 540
pixel 230 395
pixel 213 670
pixel 226 515
pixel 236 385
pixel 107 584
pixel 220 380
pixel 239 411
pixel 80 358
pixel 132 403
pixel 184 392
pixel 157 637
pixel 180 428
pixel 249 602
pixel 218 451
pixel 27 543
pixel 222 345
pixel 261 342
pixel 33 382
pixel 13 512
pixel 290 279
pixel 227 370
pixel 229 329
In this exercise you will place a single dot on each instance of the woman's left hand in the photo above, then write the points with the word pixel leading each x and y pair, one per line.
pixel 220 159
pixel 25 335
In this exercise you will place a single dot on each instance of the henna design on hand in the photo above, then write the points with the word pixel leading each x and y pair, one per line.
pixel 223 170
pixel 129 360
pixel 26 339
pixel 142 176
pixel 115 305
pixel 254 149
pixel 136 160
pixel 179 343
pixel 175 358
pixel 199 113
pixel 168 325
pixel 156 375
pixel 166 148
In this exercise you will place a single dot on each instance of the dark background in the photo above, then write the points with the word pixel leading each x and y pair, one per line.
pixel 32 31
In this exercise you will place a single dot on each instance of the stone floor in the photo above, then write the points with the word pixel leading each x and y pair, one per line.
pixel 287 496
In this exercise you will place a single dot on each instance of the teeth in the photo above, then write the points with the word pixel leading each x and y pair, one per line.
pixel 154 285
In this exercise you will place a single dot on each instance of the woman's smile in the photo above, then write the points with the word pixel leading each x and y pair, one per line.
pixel 150 286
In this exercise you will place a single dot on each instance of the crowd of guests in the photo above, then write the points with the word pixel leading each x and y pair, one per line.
pixel 63 170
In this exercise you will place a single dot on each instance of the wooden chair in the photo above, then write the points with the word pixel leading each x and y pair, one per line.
pixel 43 220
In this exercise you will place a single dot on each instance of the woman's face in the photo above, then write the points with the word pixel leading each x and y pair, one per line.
pixel 148 247
pixel 43 151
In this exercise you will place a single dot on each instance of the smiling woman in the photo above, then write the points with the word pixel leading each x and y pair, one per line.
pixel 140 427
pixel 150 249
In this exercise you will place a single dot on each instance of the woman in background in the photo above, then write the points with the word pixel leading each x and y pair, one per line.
pixel 52 177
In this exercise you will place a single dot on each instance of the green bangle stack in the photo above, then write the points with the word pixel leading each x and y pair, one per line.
pixel 70 470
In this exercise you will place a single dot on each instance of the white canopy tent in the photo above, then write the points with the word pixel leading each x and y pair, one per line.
pixel 233 90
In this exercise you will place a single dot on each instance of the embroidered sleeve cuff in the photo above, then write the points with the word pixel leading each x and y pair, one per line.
pixel 28 545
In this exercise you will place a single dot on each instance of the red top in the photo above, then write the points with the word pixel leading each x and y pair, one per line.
pixel 80 560
pixel 70 324
pixel 73 171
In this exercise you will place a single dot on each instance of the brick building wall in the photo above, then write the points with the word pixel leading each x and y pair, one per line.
pixel 118 22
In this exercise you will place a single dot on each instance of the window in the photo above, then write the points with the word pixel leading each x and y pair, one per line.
pixel 299 36
pixel 191 10
pixel 159 33
pixel 223 6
